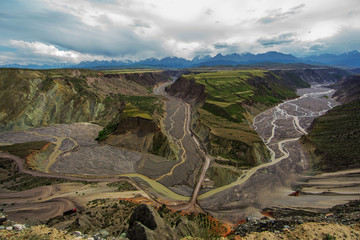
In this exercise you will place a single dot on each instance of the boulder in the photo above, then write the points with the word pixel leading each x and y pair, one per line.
pixel 146 224
pixel 19 226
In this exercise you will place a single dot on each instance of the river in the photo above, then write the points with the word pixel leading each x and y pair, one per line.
pixel 265 185
pixel 280 128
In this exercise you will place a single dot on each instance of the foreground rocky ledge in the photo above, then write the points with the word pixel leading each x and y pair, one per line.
pixel 146 222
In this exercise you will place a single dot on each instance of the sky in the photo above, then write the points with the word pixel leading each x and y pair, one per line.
pixel 71 31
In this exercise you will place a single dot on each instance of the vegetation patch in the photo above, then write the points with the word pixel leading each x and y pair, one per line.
pixel 107 130
pixel 146 107
pixel 232 99
pixel 99 214
pixel 148 104
pixel 122 186
pixel 13 180
pixel 335 138
pixel 24 150
pixel 222 175
pixel 230 94
pixel 132 111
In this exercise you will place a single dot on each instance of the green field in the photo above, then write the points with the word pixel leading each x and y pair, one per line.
pixel 148 104
pixel 131 111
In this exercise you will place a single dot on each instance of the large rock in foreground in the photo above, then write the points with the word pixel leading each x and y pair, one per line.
pixel 146 224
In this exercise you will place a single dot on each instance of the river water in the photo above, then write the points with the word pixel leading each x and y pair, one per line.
pixel 280 128
pixel 291 119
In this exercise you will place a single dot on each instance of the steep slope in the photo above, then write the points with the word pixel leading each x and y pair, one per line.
pixel 348 89
pixel 314 75
pixel 225 103
pixel 334 138
pixel 34 98
pixel 31 98
pixel 147 79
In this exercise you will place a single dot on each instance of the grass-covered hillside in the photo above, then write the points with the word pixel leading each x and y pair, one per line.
pixel 334 137
pixel 227 106
pixel 230 93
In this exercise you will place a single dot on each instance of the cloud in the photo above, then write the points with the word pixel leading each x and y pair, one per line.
pixel 345 40
pixel 277 15
pixel 49 53
pixel 317 46
pixel 285 38
pixel 43 49
pixel 140 24
pixel 209 11
pixel 227 48
pixel 70 31
pixel 220 45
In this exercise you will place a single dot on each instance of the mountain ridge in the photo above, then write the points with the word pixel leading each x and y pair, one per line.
pixel 349 59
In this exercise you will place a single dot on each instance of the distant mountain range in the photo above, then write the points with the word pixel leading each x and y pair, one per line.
pixel 349 60
pixel 175 62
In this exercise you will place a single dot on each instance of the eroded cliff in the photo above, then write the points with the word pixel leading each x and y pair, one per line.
pixel 224 104
pixel 35 98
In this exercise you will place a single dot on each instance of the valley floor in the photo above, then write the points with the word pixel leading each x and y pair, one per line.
pixel 77 154
pixel 270 184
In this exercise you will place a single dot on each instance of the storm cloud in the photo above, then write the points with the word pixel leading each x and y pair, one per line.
pixel 285 38
pixel 43 31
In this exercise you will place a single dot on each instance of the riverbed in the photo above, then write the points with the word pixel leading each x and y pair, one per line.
pixel 269 184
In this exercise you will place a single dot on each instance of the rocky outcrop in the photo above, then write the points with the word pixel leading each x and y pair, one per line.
pixel 143 135
pixel 347 89
pixel 134 134
pixel 31 98
pixel 314 75
pixel 148 79
pixel 188 90
pixel 146 224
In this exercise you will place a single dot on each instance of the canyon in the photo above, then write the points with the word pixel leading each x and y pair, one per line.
pixel 228 143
